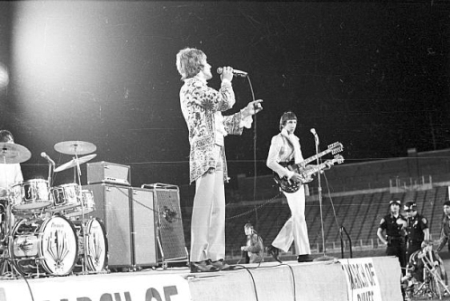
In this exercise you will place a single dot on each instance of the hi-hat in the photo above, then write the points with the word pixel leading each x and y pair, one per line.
pixel 75 147
pixel 75 162
pixel 11 153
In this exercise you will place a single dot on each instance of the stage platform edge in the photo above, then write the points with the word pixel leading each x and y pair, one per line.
pixel 358 279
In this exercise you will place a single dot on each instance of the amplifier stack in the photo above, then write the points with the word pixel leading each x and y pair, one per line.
pixel 143 225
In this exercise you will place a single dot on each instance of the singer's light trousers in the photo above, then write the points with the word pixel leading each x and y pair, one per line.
pixel 295 229
pixel 208 215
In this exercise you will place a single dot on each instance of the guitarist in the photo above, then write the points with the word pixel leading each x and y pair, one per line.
pixel 285 147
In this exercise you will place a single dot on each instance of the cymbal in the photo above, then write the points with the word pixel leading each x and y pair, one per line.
pixel 75 147
pixel 74 162
pixel 11 153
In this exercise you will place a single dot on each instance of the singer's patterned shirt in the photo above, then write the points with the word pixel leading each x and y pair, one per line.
pixel 199 105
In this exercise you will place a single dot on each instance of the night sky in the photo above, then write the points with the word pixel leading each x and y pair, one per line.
pixel 373 76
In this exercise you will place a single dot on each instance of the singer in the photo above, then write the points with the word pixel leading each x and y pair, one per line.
pixel 285 147
pixel 202 109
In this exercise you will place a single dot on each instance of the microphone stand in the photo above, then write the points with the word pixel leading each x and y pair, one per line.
pixel 319 191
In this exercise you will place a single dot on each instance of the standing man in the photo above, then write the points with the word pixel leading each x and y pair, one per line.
pixel 417 229
pixel 445 228
pixel 284 148
pixel 394 224
pixel 202 109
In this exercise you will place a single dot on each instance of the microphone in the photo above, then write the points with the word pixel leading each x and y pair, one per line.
pixel 46 157
pixel 235 72
pixel 316 137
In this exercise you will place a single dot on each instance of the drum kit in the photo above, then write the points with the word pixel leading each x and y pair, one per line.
pixel 44 230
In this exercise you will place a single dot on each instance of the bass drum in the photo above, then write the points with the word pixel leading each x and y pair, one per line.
pixel 48 245
pixel 96 250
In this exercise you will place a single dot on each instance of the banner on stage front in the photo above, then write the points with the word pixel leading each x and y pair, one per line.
pixel 362 280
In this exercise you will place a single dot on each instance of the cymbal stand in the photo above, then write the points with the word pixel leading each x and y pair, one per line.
pixel 7 263
pixel 83 224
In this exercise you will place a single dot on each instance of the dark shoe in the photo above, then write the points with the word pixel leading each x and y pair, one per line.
pixel 222 265
pixel 202 266
pixel 274 252
pixel 304 258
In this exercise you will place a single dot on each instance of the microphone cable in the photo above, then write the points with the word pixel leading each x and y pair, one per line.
pixel 255 137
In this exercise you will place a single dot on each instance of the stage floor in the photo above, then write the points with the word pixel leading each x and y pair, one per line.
pixel 290 280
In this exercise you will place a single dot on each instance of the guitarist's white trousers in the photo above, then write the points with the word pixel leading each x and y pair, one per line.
pixel 295 229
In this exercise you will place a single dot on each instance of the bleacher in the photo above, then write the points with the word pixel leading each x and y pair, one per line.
pixel 360 214
pixel 358 199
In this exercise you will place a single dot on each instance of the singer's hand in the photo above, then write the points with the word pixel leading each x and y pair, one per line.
pixel 227 73
pixel 253 108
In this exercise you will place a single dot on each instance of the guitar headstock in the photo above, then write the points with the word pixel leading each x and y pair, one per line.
pixel 339 159
pixel 336 147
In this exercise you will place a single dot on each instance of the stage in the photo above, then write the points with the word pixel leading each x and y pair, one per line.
pixel 359 279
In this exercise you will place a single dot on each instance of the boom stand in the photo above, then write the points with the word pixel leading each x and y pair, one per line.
pixel 319 191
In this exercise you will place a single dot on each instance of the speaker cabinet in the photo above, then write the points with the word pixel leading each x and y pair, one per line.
pixel 144 226
pixel 169 222
pixel 113 208
pixel 144 234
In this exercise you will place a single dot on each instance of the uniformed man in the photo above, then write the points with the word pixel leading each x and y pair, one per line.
pixel 394 224
pixel 445 227
pixel 418 233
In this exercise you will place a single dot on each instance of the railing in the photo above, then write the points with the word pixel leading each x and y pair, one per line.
pixel 331 247
pixel 410 184
pixel 398 184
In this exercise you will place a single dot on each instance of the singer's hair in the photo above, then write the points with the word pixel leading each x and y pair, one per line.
pixel 6 136
pixel 189 62
pixel 285 117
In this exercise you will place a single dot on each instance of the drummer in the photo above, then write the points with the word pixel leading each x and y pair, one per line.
pixel 10 174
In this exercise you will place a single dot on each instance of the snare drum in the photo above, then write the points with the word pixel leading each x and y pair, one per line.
pixel 88 204
pixel 30 195
pixel 65 197
pixel 45 246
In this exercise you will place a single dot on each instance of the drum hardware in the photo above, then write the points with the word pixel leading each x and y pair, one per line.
pixel 75 148
pixel 65 197
pixel 12 153
pixel 48 247
pixel 74 162
pixel 8 266
pixel 96 248
pixel 38 235
pixel 30 195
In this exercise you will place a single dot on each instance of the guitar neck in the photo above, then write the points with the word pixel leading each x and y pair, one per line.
pixel 315 157
pixel 314 169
